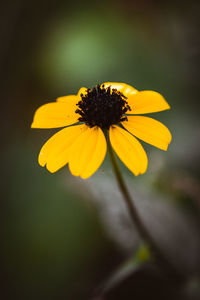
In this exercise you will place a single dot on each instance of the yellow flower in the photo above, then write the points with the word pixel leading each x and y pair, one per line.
pixel 111 108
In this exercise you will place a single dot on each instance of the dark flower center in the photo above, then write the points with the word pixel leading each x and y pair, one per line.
pixel 102 107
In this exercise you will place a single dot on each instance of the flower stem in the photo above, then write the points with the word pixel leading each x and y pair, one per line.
pixel 154 249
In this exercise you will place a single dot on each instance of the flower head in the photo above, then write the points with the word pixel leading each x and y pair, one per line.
pixel 110 107
pixel 102 107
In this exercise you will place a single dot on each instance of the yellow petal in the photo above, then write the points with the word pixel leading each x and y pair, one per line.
pixel 87 153
pixel 145 102
pixel 55 151
pixel 129 150
pixel 55 114
pixel 149 130
pixel 124 88
pixel 68 98
pixel 77 97
pixel 83 91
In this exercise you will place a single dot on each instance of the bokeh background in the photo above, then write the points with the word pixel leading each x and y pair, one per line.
pixel 61 237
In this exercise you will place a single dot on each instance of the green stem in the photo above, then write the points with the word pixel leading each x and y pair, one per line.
pixel 155 250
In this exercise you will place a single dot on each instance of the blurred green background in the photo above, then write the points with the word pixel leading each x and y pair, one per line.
pixel 61 237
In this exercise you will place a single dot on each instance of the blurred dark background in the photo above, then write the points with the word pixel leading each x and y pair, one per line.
pixel 61 237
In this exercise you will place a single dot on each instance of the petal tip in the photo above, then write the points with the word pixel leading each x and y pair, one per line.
pixel 51 170
pixel 33 125
pixel 85 177
pixel 143 172
pixel 41 162
pixel 166 147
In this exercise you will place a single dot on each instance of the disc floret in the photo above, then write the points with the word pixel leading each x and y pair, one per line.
pixel 102 107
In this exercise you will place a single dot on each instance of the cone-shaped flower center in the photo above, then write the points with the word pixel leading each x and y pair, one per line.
pixel 102 107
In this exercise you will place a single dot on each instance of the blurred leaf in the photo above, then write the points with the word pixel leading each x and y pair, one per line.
pixel 132 265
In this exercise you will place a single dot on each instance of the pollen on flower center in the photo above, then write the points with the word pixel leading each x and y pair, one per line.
pixel 102 107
